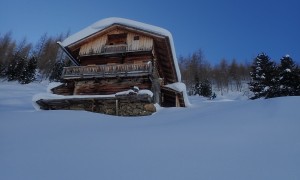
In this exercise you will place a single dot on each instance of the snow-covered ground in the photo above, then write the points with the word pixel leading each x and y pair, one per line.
pixel 224 139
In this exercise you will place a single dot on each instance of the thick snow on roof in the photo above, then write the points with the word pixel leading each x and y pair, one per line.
pixel 104 23
pixel 180 87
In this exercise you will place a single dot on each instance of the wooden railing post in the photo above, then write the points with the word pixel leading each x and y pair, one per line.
pixel 117 107
pixel 103 70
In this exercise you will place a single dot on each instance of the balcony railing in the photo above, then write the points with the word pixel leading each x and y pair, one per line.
pixel 119 70
pixel 112 49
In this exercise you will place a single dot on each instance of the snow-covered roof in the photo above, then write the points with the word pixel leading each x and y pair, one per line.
pixel 104 23
pixel 180 87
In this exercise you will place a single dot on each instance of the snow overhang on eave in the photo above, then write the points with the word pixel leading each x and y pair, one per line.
pixel 75 40
pixel 113 26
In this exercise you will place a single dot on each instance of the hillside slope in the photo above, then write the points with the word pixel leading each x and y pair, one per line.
pixel 222 139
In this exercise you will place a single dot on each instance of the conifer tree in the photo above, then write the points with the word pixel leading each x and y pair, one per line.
pixel 31 69
pixel 15 68
pixel 205 88
pixel 288 77
pixel 28 73
pixel 20 67
pixel 10 72
pixel 197 88
pixel 263 77
pixel 297 92
pixel 56 72
pixel 22 78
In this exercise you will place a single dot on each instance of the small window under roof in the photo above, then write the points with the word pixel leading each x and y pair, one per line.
pixel 114 39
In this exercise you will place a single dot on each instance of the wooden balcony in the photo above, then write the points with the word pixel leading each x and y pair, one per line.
pixel 114 49
pixel 98 71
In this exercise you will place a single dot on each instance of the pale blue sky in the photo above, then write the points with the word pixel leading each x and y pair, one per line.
pixel 222 29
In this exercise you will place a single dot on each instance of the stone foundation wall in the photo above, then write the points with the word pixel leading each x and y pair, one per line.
pixel 136 109
pixel 120 108
pixel 120 105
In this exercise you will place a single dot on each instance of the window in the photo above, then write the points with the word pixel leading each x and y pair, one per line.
pixel 136 38
pixel 114 39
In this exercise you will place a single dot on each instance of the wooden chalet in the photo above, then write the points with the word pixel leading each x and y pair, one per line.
pixel 115 55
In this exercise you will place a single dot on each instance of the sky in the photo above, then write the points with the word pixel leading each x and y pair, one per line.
pixel 231 29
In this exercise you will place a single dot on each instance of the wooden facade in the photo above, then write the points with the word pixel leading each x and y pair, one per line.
pixel 117 41
pixel 118 58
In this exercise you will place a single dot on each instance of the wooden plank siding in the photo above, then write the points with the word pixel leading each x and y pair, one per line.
pixel 131 58
pixel 110 85
pixel 134 42
pixel 171 98
pixel 101 86
pixel 143 43
pixel 94 46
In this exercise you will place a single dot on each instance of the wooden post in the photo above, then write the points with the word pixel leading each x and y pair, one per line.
pixel 117 107
pixel 177 100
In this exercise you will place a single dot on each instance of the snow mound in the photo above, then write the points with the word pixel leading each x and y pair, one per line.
pixel 213 140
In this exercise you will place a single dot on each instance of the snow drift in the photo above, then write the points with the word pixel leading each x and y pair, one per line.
pixel 210 140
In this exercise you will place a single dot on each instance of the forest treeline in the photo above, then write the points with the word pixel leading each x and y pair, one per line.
pixel 269 79
pixel 25 62
pixel 197 73
pixel 47 58
pixel 264 78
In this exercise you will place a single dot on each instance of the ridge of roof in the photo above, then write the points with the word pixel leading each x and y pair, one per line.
pixel 104 23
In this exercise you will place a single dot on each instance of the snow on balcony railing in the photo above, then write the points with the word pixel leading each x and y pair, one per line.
pixel 111 49
pixel 119 70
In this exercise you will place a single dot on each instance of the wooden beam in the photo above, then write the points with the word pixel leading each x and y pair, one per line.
pixel 73 60
pixel 117 107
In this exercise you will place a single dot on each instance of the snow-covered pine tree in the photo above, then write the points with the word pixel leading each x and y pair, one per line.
pixel 2 68
pixel 56 72
pixel 15 68
pixel 288 77
pixel 205 88
pixel 31 69
pixel 263 77
pixel 23 74
pixel 28 73
pixel 197 89
pixel 10 72
pixel 297 92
